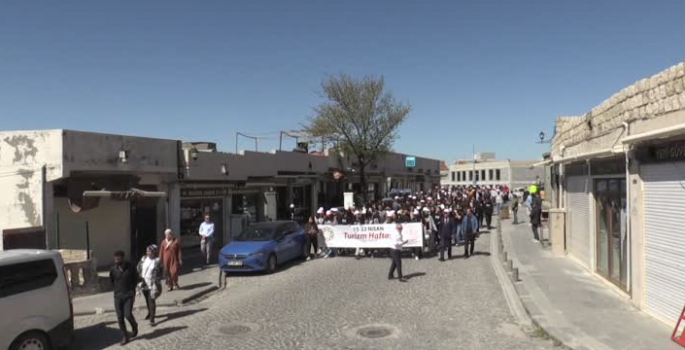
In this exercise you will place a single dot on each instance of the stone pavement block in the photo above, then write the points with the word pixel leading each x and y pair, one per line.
pixel 575 306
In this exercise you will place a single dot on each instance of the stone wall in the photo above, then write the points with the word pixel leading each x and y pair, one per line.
pixel 602 127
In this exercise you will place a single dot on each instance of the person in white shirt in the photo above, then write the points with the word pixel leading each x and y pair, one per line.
pixel 207 233
pixel 396 253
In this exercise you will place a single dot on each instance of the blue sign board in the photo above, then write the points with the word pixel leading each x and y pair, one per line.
pixel 410 162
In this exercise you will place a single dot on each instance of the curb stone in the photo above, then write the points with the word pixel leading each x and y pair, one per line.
pixel 200 295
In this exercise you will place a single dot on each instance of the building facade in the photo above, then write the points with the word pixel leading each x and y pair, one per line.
pixel 618 174
pixel 77 190
pixel 488 171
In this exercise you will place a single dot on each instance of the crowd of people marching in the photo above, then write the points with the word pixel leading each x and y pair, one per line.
pixel 451 216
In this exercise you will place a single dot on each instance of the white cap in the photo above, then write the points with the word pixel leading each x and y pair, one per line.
pixel 397 197
pixel 413 197
pixel 357 212
pixel 442 206
pixel 335 210
pixel 446 210
pixel 292 206
pixel 416 212
pixel 426 209
pixel 422 201
pixel 320 211
pixel 391 213
pixel 430 198
pixel 329 212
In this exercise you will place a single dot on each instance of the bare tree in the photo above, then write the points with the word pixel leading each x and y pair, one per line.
pixel 361 116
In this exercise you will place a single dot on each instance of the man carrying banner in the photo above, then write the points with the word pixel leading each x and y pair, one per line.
pixel 396 253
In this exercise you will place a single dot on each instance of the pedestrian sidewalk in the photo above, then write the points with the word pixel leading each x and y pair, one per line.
pixel 574 306
pixel 195 283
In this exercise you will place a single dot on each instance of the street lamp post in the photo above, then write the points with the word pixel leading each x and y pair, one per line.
pixel 542 137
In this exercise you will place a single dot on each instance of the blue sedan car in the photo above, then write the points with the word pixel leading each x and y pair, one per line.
pixel 263 246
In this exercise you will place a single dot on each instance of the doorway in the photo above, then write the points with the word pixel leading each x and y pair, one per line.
pixel 143 226
pixel 610 198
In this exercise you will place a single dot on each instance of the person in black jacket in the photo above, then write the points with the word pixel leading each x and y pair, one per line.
pixel 124 277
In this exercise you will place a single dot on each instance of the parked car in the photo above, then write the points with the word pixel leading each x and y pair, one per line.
pixel 518 192
pixel 263 246
pixel 35 300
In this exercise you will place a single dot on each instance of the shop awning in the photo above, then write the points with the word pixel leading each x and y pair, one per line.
pixel 607 152
pixel 667 132
pixel 124 195
pixel 543 163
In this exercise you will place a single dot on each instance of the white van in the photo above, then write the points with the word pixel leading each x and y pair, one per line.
pixel 35 301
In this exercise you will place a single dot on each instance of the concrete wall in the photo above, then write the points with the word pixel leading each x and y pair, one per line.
pixel 524 175
pixel 109 226
pixel 85 151
pixel 22 156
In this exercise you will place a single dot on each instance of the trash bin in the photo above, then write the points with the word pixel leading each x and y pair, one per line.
pixel 504 215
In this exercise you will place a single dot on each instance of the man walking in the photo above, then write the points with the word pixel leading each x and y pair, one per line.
pixel 446 230
pixel 469 230
pixel 396 253
pixel 535 216
pixel 124 277
pixel 515 209
pixel 207 233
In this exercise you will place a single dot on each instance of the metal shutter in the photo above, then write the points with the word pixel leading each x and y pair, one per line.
pixel 579 205
pixel 664 215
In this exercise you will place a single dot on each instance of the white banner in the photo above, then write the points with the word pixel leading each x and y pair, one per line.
pixel 370 236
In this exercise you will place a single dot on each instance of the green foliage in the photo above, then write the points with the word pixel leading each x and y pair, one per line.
pixel 360 115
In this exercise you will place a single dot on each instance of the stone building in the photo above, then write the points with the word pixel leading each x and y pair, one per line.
pixel 619 178
pixel 488 171
pixel 75 190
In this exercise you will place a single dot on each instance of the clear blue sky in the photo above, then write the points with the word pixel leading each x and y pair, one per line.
pixel 488 72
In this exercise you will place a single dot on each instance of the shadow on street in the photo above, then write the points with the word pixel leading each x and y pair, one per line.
pixel 159 333
pixel 176 315
pixel 195 286
pixel 96 337
pixel 414 275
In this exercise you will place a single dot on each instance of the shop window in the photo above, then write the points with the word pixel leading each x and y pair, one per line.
pixel 453 176
pixel 470 175
pixel 482 175
pixel 498 174
pixel 458 176
pixel 192 216
pixel 490 177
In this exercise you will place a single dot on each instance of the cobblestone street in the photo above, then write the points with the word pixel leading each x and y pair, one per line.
pixel 331 304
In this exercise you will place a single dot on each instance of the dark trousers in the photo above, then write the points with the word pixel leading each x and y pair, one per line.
pixel 446 244
pixel 470 244
pixel 396 256
pixel 124 308
pixel 151 305
pixel 309 241
pixel 418 252
pixel 516 216
pixel 536 235
pixel 488 219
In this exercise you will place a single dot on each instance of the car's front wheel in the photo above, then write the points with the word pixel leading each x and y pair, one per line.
pixel 271 263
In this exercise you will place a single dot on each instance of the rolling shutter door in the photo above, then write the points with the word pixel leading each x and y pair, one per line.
pixel 579 203
pixel 664 215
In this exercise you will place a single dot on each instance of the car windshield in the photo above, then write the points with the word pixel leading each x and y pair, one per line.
pixel 257 233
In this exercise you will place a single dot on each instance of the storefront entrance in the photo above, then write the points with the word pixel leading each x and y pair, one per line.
pixel 192 216
pixel 610 199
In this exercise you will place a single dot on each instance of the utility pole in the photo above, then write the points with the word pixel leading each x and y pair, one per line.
pixel 475 175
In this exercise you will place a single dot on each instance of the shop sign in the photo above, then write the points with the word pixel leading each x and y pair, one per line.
pixel 410 162
pixel 210 191
pixel 671 152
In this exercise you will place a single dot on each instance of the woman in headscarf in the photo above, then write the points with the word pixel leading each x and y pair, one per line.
pixel 150 270
pixel 171 257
